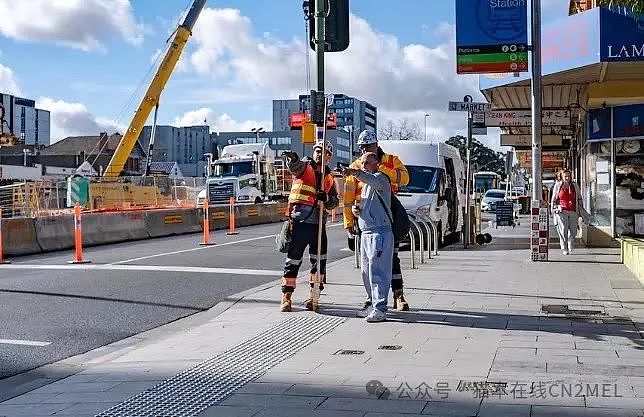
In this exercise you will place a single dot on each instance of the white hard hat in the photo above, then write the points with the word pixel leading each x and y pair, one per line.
pixel 367 137
pixel 327 145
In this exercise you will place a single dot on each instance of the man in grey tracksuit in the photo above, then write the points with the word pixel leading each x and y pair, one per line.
pixel 376 239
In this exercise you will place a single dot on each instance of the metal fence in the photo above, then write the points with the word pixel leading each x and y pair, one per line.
pixel 50 197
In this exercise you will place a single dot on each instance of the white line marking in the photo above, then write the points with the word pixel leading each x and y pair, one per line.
pixel 147 268
pixel 193 249
pixel 23 342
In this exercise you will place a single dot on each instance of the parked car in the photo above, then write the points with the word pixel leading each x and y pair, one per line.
pixel 491 197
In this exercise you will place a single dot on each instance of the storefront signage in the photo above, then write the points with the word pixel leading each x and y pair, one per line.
pixel 491 36
pixel 622 37
pixel 628 121
pixel 509 118
pixel 526 140
pixel 549 160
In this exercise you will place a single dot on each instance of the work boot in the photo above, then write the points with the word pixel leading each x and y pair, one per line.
pixel 286 305
pixel 400 303
pixel 310 304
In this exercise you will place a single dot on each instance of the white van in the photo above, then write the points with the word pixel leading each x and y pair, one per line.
pixel 436 186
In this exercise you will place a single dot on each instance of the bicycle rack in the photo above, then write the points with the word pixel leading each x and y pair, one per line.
pixel 431 242
pixel 430 223
pixel 421 238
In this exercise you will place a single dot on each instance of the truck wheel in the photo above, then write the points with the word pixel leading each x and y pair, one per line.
pixel 258 200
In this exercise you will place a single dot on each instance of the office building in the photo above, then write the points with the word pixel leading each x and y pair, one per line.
pixel 24 121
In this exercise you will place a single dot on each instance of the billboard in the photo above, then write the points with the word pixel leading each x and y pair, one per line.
pixel 491 36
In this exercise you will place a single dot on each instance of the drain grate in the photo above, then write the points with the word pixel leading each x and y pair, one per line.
pixel 190 392
pixel 349 352
pixel 390 347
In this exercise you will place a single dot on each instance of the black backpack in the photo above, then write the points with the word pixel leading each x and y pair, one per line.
pixel 400 224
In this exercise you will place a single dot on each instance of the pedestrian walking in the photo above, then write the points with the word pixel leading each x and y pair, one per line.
pixel 376 236
pixel 393 167
pixel 309 188
pixel 567 206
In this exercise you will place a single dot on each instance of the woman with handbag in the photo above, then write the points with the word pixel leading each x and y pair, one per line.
pixel 567 206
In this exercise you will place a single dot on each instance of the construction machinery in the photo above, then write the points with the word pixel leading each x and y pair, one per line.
pixel 151 98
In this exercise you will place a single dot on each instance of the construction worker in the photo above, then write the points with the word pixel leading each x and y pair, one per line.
pixel 391 166
pixel 308 190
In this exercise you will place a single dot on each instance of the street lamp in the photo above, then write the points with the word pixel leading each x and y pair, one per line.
pixel 426 116
pixel 257 131
pixel 25 151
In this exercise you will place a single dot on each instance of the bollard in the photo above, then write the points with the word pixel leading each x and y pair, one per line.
pixel 2 260
pixel 78 237
pixel 206 225
pixel 231 227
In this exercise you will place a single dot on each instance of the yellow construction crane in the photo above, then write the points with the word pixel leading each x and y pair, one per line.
pixel 152 95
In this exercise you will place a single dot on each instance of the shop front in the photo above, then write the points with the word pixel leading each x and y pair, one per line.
pixel 593 67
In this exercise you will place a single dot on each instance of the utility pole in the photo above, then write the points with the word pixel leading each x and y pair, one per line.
pixel 536 100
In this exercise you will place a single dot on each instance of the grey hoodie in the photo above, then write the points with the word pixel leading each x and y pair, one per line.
pixel 373 215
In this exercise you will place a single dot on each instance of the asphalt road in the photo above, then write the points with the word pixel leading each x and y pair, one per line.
pixel 50 310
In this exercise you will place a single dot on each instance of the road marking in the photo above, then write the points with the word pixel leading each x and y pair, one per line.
pixel 23 342
pixel 193 249
pixel 146 268
pixel 204 247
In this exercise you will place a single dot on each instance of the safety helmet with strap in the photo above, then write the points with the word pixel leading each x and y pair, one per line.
pixel 367 137
pixel 324 145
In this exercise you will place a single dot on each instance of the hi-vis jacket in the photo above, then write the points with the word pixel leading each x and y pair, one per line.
pixel 301 200
pixel 390 165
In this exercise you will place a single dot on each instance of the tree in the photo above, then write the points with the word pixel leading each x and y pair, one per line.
pixel 634 6
pixel 481 157
pixel 400 130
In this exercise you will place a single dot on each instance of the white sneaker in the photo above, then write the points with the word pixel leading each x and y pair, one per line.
pixel 570 251
pixel 376 316
pixel 365 312
pixel 565 252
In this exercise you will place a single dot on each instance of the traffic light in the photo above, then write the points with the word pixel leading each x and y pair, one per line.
pixel 336 25
pixel 317 107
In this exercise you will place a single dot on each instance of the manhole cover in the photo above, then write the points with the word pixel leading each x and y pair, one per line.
pixel 349 352
pixel 390 347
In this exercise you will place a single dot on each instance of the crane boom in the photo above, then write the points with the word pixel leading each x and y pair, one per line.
pixel 153 93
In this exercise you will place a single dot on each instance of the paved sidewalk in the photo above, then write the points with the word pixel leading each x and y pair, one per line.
pixel 478 342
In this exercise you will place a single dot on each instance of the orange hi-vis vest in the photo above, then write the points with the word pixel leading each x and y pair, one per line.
pixel 304 189
pixel 390 165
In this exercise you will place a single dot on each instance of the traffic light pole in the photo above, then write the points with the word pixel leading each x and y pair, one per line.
pixel 320 16
pixel 536 100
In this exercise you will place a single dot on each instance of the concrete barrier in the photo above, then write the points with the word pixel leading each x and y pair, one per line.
pixel 19 237
pixel 55 232
pixel 160 223
pixel 101 228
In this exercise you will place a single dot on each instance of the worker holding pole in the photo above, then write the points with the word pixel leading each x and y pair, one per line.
pixel 313 193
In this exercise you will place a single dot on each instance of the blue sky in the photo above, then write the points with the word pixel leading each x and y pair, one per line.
pixel 85 62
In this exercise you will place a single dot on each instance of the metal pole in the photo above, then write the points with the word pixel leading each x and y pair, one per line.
pixel 536 100
pixel 466 220
pixel 350 143
pixel 148 159
pixel 320 16
pixel 425 128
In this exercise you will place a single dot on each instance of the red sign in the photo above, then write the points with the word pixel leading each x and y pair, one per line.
pixel 296 120
pixel 331 121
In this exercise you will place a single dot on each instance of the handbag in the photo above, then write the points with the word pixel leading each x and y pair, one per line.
pixel 283 238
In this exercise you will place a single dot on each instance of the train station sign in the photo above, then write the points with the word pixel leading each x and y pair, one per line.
pixel 491 36
pixel 515 118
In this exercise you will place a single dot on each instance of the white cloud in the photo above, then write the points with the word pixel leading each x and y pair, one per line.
pixel 8 81
pixel 218 123
pixel 81 24
pixel 398 79
pixel 73 119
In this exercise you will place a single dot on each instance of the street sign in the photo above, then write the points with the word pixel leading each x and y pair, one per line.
pixel 479 130
pixel 478 124
pixel 526 140
pixel 510 118
pixel 491 36
pixel 469 106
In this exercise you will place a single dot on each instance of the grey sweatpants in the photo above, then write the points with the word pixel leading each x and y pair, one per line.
pixel 566 228
pixel 376 253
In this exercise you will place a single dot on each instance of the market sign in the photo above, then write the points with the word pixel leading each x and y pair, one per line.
pixel 513 118
pixel 491 36
pixel 526 140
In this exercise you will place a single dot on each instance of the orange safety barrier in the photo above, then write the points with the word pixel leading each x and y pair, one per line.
pixel 206 225
pixel 231 230
pixel 2 260
pixel 78 237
